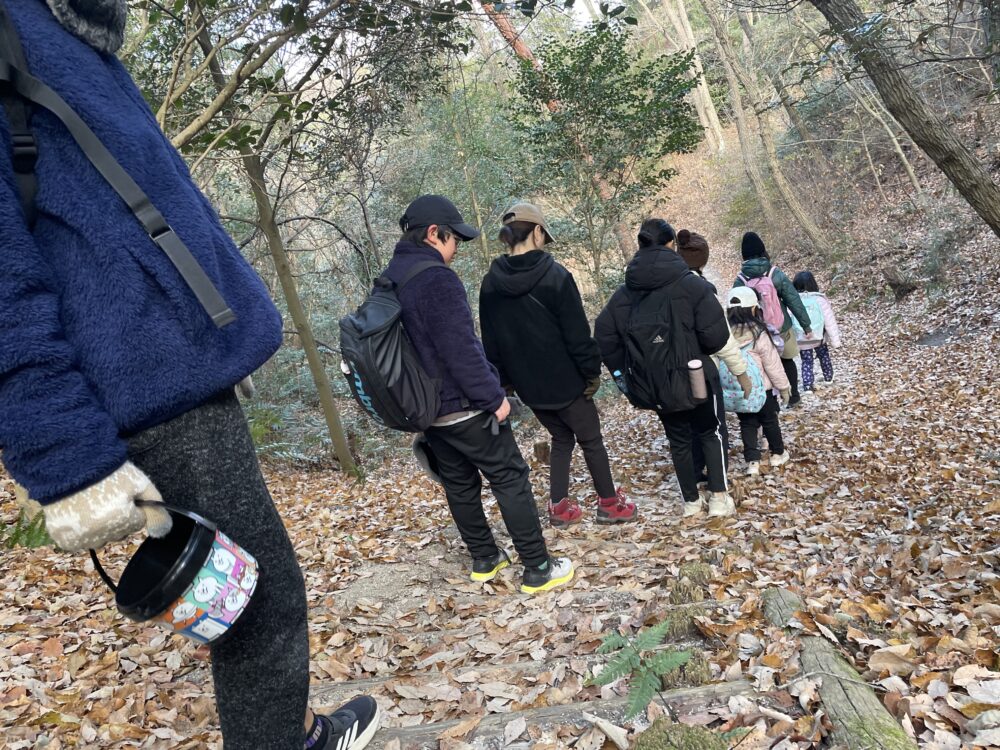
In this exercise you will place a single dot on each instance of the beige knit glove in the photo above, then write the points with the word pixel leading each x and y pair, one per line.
pixel 246 388
pixel 106 511
pixel 30 507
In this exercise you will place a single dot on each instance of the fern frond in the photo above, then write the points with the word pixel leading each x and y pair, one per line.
pixel 665 662
pixel 641 691
pixel 622 665
pixel 652 637
pixel 612 642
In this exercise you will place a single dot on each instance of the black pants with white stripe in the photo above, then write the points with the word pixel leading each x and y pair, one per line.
pixel 683 428
pixel 700 475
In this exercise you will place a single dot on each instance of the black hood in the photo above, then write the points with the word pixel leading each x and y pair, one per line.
pixel 517 275
pixel 654 267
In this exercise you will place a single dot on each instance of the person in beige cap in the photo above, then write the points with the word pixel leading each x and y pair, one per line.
pixel 536 333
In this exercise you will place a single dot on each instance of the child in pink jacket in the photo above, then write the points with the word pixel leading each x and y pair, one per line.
pixel 812 298
pixel 747 323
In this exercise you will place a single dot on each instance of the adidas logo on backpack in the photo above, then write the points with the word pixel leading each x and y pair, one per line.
pixel 658 339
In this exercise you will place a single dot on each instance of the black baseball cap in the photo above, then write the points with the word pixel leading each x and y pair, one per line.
pixel 436 209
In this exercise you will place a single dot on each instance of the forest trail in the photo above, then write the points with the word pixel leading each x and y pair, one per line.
pixel 885 522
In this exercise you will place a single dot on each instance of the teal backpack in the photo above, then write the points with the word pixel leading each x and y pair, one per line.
pixel 732 391
pixel 816 320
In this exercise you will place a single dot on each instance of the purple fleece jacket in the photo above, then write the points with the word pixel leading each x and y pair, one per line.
pixel 438 320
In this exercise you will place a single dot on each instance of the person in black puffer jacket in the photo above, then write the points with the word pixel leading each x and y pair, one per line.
pixel 535 332
pixel 659 279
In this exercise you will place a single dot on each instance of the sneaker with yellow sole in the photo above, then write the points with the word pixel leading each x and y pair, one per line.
pixel 486 568
pixel 553 572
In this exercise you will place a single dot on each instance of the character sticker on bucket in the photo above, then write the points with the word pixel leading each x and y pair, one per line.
pixel 217 596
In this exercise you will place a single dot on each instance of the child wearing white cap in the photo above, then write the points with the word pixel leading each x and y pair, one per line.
pixel 747 323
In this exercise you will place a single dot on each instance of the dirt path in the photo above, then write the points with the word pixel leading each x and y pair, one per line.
pixel 886 522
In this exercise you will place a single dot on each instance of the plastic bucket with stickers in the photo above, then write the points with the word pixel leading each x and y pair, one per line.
pixel 195 581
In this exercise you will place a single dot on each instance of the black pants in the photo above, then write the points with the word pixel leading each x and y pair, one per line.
pixel 204 461
pixel 792 373
pixel 578 422
pixel 683 428
pixel 463 451
pixel 700 469
pixel 767 418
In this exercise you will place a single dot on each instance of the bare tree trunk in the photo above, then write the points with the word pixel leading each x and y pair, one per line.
pixel 708 116
pixel 928 130
pixel 265 212
pixel 268 225
pixel 893 138
pixel 763 130
pixel 625 243
pixel 785 189
pixel 868 155
pixel 484 245
pixel 793 116
pixel 873 107
pixel 991 27
pixel 739 114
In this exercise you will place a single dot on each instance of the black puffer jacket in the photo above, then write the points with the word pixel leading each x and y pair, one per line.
pixel 655 270
pixel 535 331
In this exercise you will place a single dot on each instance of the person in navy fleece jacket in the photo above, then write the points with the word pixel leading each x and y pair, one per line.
pixel 471 434
pixel 115 384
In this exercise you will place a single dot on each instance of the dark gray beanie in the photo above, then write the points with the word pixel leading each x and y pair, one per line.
pixel 100 23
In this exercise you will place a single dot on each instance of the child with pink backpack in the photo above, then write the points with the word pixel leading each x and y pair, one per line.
pixel 779 301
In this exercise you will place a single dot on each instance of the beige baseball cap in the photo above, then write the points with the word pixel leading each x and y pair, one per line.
pixel 528 212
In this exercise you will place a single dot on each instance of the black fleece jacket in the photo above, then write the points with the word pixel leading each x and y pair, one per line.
pixel 655 270
pixel 535 331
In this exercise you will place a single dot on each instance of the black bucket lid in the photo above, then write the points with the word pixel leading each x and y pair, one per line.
pixel 162 568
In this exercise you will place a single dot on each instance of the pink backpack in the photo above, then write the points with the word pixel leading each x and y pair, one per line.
pixel 770 303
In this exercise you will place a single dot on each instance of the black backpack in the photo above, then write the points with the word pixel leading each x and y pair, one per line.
pixel 658 347
pixel 380 363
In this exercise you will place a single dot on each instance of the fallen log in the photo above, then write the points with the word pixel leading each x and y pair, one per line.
pixel 683 701
pixel 860 721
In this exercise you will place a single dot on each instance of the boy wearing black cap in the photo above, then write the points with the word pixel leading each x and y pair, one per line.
pixel 471 434
pixel 756 265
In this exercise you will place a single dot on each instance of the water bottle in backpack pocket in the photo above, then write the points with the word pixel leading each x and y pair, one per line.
pixel 770 302
pixel 816 321
pixel 732 391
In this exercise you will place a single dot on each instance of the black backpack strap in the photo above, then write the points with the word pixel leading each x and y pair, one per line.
pixel 418 269
pixel 23 145
pixel 149 216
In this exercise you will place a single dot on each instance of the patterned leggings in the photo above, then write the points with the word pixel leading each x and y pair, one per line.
pixel 823 352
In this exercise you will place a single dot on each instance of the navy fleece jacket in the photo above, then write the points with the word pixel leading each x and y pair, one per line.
pixel 438 320
pixel 99 335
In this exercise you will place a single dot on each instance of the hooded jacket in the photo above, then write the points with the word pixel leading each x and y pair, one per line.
pixel 535 330
pixel 764 351
pixel 787 293
pixel 831 331
pixel 661 271
pixel 438 320
pixel 100 337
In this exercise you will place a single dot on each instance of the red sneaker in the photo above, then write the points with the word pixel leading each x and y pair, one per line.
pixel 564 513
pixel 616 509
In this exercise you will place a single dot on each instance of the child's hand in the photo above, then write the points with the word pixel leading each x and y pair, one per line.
pixel 786 396
pixel 745 384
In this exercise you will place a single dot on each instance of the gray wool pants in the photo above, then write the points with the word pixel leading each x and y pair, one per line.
pixel 204 461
